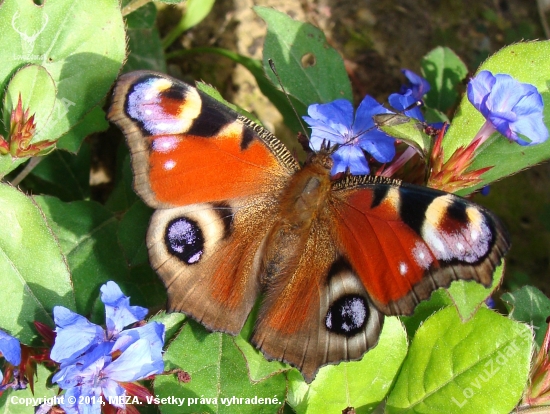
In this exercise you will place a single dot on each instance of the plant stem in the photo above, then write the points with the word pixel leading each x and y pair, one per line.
pixel 26 171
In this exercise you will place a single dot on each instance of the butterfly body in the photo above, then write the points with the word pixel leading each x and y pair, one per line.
pixel 238 218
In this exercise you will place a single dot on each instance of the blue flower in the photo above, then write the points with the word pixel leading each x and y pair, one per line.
pixel 510 107
pixel 402 101
pixel 10 348
pixel 94 362
pixel 333 123
pixel 417 85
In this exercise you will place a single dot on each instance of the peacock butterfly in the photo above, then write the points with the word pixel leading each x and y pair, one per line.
pixel 237 216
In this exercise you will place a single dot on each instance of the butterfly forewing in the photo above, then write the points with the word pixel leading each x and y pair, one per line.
pixel 188 148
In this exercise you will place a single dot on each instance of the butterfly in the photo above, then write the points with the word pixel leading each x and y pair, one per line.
pixel 238 218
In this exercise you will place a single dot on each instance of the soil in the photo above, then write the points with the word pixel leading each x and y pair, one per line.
pixel 377 39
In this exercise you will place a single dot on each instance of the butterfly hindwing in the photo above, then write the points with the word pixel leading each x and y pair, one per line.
pixel 206 255
pixel 406 241
pixel 319 313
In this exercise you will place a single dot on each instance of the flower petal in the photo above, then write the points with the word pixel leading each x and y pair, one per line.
pixel 379 145
pixel 479 87
pixel 514 109
pixel 337 114
pixel 118 312
pixel 110 388
pixel 351 157
pixel 153 332
pixel 364 123
pixel 138 361
pixel 404 101
pixel 329 122
pixel 418 84
pixel 10 348
pixel 75 335
pixel 74 397
pixel 86 368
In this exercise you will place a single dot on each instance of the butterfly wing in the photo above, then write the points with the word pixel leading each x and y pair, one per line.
pixel 406 241
pixel 188 148
pixel 214 178
pixel 318 314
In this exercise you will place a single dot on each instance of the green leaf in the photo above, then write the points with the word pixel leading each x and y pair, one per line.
pixel 172 322
pixel 531 306
pixel 304 60
pixel 360 384
pixel 62 175
pixel 81 50
pixel 480 366
pixel 14 401
pixel 529 63
pixel 141 18
pixel 123 196
pixel 405 128
pixel 37 90
pixel 218 376
pixel 33 272
pixel 87 234
pixel 469 295
pixel 132 232
pixel 145 51
pixel 445 71
pixel 94 121
pixel 259 368
pixel 8 164
pixel 195 13
pixel 440 299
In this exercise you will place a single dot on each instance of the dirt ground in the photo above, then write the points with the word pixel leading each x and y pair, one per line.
pixel 376 40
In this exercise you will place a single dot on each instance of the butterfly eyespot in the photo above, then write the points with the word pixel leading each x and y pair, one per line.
pixel 347 315
pixel 184 240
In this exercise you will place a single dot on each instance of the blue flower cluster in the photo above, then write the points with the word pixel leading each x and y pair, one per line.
pixel 95 362
pixel 334 123
pixel 512 108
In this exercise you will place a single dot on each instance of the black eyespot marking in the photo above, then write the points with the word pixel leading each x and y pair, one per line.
pixel 175 92
pixel 347 315
pixel 457 211
pixel 184 239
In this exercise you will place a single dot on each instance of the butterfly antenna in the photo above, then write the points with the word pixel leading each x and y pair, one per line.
pixel 304 130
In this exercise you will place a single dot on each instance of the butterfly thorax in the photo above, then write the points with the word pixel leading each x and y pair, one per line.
pixel 301 203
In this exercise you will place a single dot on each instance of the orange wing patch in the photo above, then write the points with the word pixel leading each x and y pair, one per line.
pixel 188 148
